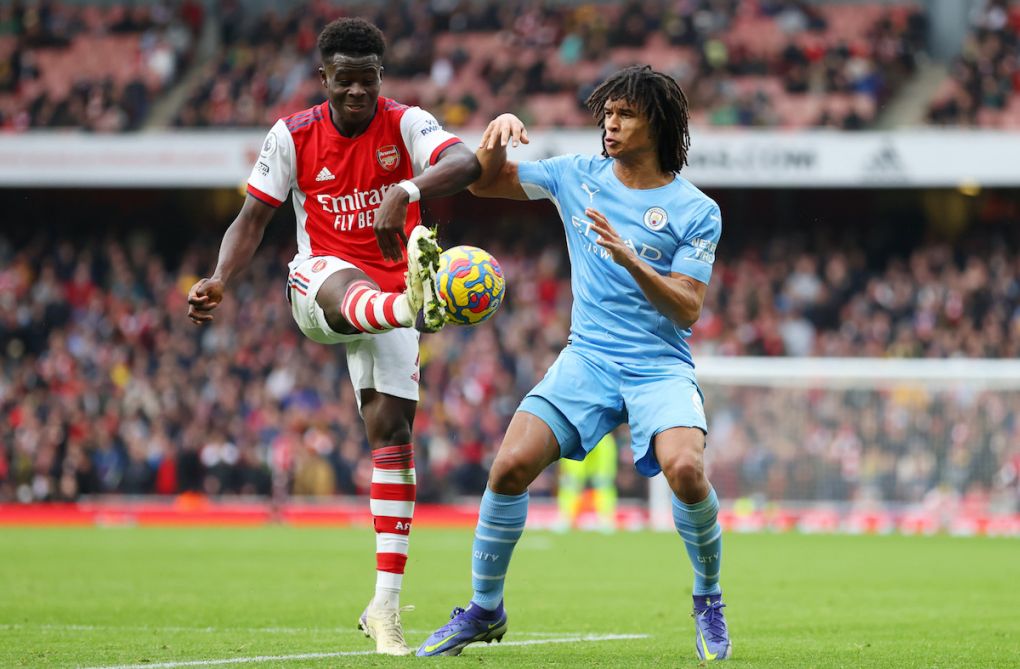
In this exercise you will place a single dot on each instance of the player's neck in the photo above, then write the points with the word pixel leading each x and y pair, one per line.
pixel 641 172
pixel 348 129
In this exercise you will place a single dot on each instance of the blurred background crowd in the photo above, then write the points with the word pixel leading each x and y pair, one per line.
pixel 764 63
pixel 108 388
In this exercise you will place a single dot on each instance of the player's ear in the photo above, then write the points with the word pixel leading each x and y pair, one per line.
pixel 322 77
pixel 381 68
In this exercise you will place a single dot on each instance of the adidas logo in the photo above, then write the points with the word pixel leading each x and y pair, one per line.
pixel 324 175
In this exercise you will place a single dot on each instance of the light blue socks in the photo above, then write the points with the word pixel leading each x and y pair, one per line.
pixel 698 526
pixel 501 521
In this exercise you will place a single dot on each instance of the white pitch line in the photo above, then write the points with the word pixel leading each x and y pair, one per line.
pixel 322 656
pixel 171 629
pixel 589 637
pixel 240 660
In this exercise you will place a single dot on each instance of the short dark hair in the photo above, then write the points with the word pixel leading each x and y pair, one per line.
pixel 661 99
pixel 353 36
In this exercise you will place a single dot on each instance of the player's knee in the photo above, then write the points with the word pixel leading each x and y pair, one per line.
pixel 386 427
pixel 397 433
pixel 685 470
pixel 510 475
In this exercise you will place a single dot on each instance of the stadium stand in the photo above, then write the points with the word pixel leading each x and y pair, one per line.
pixel 984 83
pixel 743 64
pixel 95 68
pixel 766 64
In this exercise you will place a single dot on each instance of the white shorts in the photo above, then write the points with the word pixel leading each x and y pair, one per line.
pixel 386 362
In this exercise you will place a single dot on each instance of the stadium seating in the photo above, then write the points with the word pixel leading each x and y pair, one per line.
pixel 796 64
pixel 983 88
pixel 96 68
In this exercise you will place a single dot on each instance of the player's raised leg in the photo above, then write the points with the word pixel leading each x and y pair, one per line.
pixel 680 452
pixel 528 448
pixel 352 303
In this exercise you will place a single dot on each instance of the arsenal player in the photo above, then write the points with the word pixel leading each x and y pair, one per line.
pixel 356 167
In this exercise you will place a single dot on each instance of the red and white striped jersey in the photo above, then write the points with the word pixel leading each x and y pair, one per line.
pixel 338 182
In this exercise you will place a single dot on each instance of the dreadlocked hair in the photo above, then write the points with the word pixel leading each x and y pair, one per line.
pixel 660 99
pixel 351 36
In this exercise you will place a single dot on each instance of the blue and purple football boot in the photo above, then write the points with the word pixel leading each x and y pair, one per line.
pixel 712 639
pixel 466 626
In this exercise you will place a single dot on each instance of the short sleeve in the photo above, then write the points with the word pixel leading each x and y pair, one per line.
pixel 696 254
pixel 540 179
pixel 424 138
pixel 273 174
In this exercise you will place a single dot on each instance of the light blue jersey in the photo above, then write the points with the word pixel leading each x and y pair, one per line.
pixel 674 228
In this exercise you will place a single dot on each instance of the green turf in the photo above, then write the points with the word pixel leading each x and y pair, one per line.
pixel 118 596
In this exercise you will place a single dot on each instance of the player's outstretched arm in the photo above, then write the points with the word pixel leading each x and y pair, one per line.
pixel 499 176
pixel 678 297
pixel 455 168
pixel 238 246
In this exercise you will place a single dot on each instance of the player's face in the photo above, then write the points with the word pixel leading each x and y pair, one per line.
pixel 352 84
pixel 628 132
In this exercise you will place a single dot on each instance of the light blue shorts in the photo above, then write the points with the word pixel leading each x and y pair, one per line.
pixel 582 397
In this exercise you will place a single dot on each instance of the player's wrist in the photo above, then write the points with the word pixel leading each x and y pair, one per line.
pixel 412 190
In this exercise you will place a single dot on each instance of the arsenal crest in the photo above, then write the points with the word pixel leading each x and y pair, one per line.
pixel 388 157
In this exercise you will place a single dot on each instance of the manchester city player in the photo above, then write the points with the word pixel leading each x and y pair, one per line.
pixel 642 241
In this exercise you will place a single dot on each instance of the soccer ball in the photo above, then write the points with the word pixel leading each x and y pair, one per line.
pixel 471 282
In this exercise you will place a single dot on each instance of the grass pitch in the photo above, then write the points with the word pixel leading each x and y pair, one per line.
pixel 223 597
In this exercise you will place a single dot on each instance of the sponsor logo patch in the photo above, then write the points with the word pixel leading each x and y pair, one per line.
pixel 704 250
pixel 430 127
pixel 262 168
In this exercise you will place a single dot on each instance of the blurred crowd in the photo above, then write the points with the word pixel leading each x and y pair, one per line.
pixel 765 63
pixel 904 444
pixel 106 387
pixel 934 303
pixel 96 67
pixel 985 80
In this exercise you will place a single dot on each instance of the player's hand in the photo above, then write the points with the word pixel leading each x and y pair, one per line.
pixel 503 129
pixel 203 297
pixel 389 224
pixel 609 239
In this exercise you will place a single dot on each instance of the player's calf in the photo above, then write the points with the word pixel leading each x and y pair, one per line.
pixel 368 309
